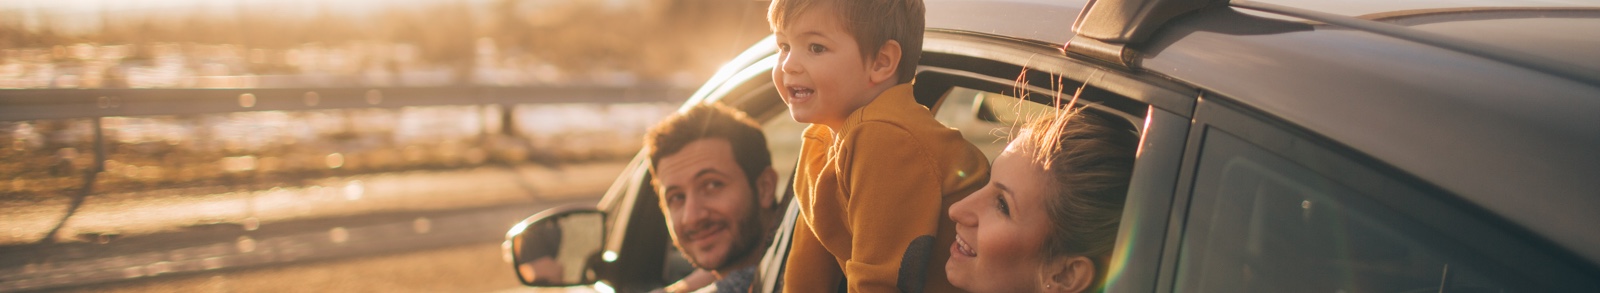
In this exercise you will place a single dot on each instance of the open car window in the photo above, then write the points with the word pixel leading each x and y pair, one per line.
pixel 986 119
pixel 783 141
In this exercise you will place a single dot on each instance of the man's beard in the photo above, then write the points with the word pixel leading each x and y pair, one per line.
pixel 747 237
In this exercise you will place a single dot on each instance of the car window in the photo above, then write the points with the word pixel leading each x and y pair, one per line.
pixel 1261 223
pixel 783 141
pixel 986 119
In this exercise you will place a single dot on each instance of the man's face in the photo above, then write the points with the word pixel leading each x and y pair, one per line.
pixel 820 74
pixel 710 206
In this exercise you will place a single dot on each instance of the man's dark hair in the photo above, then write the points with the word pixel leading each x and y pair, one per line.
pixel 712 120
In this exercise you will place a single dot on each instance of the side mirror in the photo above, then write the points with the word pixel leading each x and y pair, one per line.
pixel 982 108
pixel 557 247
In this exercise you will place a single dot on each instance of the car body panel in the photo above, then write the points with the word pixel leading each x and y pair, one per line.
pixel 1481 129
pixel 1569 36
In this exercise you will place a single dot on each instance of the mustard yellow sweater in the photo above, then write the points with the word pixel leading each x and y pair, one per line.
pixel 888 177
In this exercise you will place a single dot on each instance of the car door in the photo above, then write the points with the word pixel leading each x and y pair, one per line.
pixel 1261 206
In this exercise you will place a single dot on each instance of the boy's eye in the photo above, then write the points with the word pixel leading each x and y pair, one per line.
pixel 783 47
pixel 1000 203
pixel 815 48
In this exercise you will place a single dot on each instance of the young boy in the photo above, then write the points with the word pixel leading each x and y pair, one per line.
pixel 876 170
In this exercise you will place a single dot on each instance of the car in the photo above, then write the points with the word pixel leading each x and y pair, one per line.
pixel 1286 145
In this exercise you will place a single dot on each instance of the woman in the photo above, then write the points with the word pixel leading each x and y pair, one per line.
pixel 1048 217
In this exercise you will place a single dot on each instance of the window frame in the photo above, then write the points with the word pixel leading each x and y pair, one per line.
pixel 1137 256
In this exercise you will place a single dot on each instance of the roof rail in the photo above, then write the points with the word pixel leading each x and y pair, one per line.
pixel 1434 15
pixel 1488 51
pixel 1106 27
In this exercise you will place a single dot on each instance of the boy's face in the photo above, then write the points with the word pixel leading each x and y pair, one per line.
pixel 820 72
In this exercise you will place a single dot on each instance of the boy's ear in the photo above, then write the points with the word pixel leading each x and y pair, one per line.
pixel 1071 274
pixel 883 64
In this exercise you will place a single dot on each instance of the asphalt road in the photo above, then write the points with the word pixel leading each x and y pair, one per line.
pixel 462 268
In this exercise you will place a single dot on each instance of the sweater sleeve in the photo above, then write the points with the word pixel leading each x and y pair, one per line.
pixel 894 197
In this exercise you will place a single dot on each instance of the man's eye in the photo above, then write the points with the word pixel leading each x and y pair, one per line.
pixel 815 48
pixel 713 185
pixel 674 199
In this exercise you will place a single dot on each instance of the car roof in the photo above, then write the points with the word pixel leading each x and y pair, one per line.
pixel 1039 20
pixel 1567 34
pixel 1517 140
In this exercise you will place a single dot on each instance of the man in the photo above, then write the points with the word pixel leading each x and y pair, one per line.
pixel 713 174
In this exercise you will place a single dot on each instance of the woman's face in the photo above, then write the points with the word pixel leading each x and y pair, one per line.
pixel 1001 228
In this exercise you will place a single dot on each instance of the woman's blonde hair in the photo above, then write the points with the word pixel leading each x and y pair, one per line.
pixel 1090 157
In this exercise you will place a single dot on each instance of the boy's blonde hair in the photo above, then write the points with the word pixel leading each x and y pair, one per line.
pixel 871 22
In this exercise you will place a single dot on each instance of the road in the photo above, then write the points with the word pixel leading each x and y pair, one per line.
pixel 433 231
pixel 462 268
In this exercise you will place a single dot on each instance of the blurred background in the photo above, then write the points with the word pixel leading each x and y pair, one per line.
pixel 270 43
pixel 294 145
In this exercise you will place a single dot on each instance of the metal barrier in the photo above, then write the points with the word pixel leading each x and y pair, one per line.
pixel 98 257
pixel 94 109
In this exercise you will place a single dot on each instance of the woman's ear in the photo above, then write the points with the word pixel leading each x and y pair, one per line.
pixel 1069 274
pixel 883 64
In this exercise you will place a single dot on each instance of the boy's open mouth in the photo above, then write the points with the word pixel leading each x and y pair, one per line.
pixel 800 92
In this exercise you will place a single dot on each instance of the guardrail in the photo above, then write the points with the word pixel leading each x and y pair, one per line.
pixel 79 116
pixel 33 104
pixel 51 264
